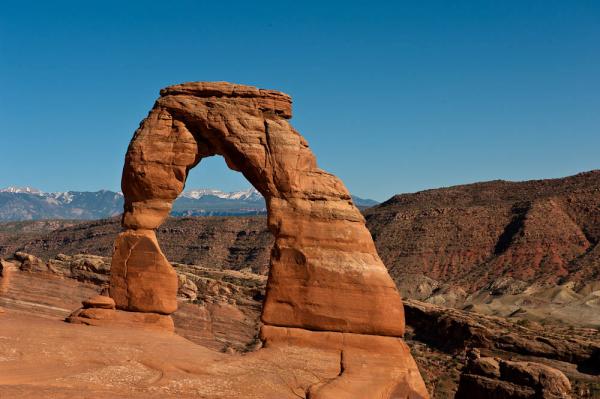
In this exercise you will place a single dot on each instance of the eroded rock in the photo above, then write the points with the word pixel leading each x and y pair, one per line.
pixel 187 288
pixel 30 262
pixel 142 279
pixel 99 302
pixel 454 330
pixel 370 366
pixel 325 274
pixel 486 377
pixel 119 318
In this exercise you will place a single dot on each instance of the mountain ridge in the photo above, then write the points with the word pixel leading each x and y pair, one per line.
pixel 29 203
pixel 496 247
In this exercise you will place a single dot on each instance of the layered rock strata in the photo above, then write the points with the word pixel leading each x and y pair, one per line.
pixel 370 366
pixel 325 280
pixel 489 377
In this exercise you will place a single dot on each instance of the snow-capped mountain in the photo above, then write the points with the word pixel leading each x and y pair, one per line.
pixel 250 194
pixel 28 203
pixel 21 190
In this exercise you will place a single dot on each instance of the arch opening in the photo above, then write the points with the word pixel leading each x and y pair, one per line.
pixel 231 232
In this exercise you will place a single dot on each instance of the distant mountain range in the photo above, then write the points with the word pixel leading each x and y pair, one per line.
pixel 27 203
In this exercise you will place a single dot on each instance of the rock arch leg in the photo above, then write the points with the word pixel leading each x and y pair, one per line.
pixel 156 165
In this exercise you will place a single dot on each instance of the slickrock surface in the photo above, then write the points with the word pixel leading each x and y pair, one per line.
pixel 43 292
pixel 71 360
pixel 143 362
pixel 371 366
pixel 225 316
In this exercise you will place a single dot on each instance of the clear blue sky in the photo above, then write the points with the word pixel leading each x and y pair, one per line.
pixel 392 96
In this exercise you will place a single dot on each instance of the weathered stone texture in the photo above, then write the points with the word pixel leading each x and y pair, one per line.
pixel 325 271
pixel 327 285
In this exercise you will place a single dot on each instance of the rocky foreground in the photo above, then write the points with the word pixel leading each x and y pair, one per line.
pixel 456 351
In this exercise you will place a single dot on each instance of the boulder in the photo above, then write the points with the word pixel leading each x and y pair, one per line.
pixel 118 318
pixel 142 279
pixel 187 288
pixel 487 377
pixel 30 262
pixel 99 302
pixel 82 267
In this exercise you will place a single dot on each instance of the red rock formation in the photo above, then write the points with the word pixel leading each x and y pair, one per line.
pixel 539 231
pixel 98 316
pixel 488 377
pixel 325 274
pixel 99 302
pixel 370 366
pixel 142 279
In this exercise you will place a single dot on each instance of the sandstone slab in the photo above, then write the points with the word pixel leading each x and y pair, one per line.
pixel 112 362
pixel 99 302
pixel 504 379
pixel 119 318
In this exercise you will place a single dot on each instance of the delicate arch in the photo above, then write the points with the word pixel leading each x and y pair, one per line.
pixel 325 273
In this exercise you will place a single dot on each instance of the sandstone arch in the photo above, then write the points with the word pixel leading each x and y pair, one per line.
pixel 329 297
pixel 325 273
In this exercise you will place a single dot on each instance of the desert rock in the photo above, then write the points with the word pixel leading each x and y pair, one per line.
pixel 111 317
pixel 142 279
pixel 30 262
pixel 370 366
pixel 486 377
pixel 326 280
pixel 187 288
pixel 325 273
pixel 99 302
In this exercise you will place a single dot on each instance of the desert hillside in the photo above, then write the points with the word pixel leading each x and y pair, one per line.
pixel 485 245
pixel 544 231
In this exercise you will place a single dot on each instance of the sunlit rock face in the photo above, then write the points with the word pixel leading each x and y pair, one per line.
pixel 325 273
